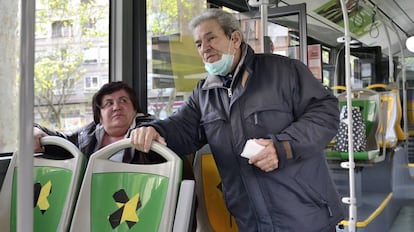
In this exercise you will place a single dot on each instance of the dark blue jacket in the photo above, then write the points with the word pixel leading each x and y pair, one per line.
pixel 271 97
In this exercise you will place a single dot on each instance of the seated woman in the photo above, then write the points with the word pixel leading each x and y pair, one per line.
pixel 116 113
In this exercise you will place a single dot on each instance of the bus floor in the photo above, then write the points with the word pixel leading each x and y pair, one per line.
pixel 404 220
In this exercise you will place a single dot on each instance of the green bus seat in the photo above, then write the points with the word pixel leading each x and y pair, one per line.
pixel 212 213
pixel 369 103
pixel 56 185
pixel 117 196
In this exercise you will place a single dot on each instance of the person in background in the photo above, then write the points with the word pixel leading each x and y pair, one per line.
pixel 285 184
pixel 115 113
pixel 269 47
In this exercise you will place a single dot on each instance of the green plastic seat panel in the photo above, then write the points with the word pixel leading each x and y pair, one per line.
pixel 127 201
pixel 51 187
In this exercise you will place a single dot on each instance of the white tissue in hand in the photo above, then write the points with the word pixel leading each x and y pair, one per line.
pixel 251 148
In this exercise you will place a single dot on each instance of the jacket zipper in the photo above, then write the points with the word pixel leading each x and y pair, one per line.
pixel 229 92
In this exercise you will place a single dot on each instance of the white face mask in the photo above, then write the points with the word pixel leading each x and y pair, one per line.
pixel 221 67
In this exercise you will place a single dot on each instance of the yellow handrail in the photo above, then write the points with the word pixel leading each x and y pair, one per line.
pixel 339 87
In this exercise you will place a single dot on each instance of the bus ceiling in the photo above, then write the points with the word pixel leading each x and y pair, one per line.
pixel 367 19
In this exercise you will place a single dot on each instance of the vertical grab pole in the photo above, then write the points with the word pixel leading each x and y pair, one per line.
pixel 25 154
pixel 263 4
pixel 264 16
pixel 390 61
pixel 351 200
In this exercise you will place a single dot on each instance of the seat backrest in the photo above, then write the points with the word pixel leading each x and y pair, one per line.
pixel 117 196
pixel 392 113
pixel 56 185
pixel 369 103
pixel 338 89
pixel 389 111
pixel 212 214
pixel 400 132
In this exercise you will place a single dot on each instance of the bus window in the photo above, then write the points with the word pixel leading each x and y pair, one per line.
pixel 174 66
pixel 9 76
pixel 71 60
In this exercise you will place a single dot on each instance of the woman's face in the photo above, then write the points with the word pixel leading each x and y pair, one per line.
pixel 117 111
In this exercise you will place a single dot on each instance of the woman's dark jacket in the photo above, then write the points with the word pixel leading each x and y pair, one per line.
pixel 85 139
pixel 271 97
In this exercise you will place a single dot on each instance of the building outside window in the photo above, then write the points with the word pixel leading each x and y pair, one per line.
pixel 72 60
pixel 91 83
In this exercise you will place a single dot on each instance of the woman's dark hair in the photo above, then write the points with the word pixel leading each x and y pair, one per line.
pixel 108 89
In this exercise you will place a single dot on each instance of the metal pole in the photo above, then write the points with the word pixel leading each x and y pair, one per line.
pixel 351 200
pixel 25 154
pixel 390 61
pixel 263 17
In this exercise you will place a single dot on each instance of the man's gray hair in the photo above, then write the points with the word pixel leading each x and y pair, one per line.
pixel 226 20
